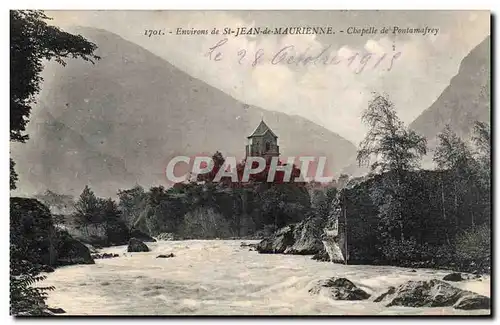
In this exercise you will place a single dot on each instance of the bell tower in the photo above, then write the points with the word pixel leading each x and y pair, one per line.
pixel 263 142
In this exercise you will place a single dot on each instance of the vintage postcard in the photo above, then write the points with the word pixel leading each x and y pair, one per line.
pixel 269 162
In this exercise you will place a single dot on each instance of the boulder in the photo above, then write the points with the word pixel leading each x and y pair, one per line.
pixel 56 310
pixel 250 246
pixel 166 256
pixel 112 233
pixel 432 293
pixel 384 296
pixel 303 238
pixel 471 302
pixel 31 231
pixel 135 245
pixel 277 242
pixel 339 289
pixel 117 233
pixel 70 251
pixel 307 237
pixel 91 248
pixel 333 250
pixel 321 256
pixel 137 234
pixel 330 252
pixel 457 276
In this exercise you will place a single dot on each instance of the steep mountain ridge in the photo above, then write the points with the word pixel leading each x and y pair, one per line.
pixel 465 100
pixel 126 116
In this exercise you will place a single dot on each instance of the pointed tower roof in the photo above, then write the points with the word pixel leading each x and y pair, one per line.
pixel 261 130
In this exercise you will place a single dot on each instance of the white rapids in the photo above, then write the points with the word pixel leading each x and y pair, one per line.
pixel 218 277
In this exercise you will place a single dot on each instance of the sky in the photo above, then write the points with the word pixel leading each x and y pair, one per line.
pixel 331 95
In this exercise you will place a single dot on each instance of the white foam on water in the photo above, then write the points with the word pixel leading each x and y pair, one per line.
pixel 218 277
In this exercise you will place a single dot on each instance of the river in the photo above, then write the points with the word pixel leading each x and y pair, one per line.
pixel 218 277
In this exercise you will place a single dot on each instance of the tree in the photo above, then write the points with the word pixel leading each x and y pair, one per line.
pixel 283 204
pixel 481 138
pixel 31 230
pixel 396 150
pixel 156 195
pixel 321 201
pixel 108 209
pixel 32 41
pixel 132 202
pixel 116 231
pixel 13 175
pixel 469 171
pixel 454 155
pixel 218 161
pixel 87 209
pixel 395 147
pixel 157 216
pixel 452 152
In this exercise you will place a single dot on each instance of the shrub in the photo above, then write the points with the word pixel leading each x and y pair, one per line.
pixel 406 251
pixel 474 246
pixel 24 298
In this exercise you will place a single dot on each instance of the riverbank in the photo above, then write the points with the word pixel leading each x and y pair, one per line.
pixel 218 277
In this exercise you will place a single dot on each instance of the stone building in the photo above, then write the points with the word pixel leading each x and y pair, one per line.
pixel 263 142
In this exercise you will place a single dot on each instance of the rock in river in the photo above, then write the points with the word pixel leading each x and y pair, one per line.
pixel 457 276
pixel 277 242
pixel 135 245
pixel 339 289
pixel 307 237
pixel 432 293
pixel 303 238
pixel 473 302
pixel 56 310
pixel 70 251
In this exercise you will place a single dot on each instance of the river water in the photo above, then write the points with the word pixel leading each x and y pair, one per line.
pixel 218 277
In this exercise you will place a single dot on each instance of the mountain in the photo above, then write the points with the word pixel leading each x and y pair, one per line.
pixel 118 122
pixel 57 157
pixel 465 100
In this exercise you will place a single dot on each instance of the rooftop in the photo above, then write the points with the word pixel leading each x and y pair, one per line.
pixel 261 130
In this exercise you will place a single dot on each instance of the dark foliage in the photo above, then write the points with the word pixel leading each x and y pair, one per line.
pixel 410 217
pixel 32 41
pixel 431 239
pixel 208 209
pixel 30 228
pixel 37 246
pixel 13 175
